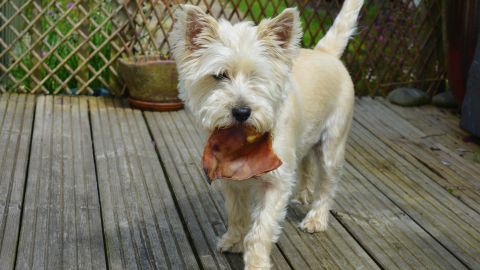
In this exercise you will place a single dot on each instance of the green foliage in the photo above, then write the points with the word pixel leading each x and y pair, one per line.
pixel 61 43
pixel 100 41
pixel 256 9
pixel 273 7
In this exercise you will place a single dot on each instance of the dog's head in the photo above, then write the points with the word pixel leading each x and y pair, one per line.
pixel 234 74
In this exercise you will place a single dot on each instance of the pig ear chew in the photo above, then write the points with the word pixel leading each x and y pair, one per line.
pixel 229 154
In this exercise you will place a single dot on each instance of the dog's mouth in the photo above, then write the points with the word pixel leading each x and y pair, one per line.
pixel 238 153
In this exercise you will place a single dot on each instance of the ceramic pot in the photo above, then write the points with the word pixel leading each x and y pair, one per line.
pixel 151 83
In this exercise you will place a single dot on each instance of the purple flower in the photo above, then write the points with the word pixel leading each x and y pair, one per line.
pixel 70 5
pixel 381 38
pixel 51 13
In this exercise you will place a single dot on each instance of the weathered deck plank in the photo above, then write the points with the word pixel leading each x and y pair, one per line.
pixel 180 148
pixel 409 198
pixel 441 164
pixel 16 123
pixel 61 224
pixel 406 182
pixel 141 224
pixel 441 125
pixel 386 231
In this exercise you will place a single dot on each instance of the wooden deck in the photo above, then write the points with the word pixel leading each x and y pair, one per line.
pixel 88 183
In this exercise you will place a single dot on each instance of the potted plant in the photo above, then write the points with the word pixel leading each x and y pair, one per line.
pixel 151 82
pixel 150 75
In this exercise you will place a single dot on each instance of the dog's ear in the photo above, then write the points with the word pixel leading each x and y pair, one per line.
pixel 284 30
pixel 194 28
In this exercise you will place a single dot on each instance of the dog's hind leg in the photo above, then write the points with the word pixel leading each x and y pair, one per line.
pixel 307 177
pixel 237 199
pixel 330 153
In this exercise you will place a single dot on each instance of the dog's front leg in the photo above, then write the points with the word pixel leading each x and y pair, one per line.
pixel 237 202
pixel 272 197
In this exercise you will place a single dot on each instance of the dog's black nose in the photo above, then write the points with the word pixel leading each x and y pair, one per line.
pixel 241 113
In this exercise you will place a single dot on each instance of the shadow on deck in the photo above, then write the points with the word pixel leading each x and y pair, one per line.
pixel 88 183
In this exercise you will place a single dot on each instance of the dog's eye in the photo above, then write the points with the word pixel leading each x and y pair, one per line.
pixel 221 76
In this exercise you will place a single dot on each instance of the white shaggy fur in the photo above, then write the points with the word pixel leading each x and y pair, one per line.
pixel 336 39
pixel 304 97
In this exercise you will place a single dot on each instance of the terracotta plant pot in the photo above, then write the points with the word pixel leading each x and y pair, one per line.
pixel 151 83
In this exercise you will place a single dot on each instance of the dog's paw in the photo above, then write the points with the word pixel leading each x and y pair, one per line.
pixel 257 261
pixel 230 244
pixel 255 267
pixel 314 223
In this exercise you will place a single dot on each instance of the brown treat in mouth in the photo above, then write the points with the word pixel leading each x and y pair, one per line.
pixel 238 153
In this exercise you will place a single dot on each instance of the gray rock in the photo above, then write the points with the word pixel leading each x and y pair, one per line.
pixel 445 100
pixel 408 97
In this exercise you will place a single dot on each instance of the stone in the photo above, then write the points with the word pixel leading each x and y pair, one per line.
pixel 101 92
pixel 445 100
pixel 73 91
pixel 408 97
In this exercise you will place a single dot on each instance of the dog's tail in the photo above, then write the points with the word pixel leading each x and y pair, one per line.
pixel 336 39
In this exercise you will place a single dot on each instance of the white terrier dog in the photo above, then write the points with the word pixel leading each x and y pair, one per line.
pixel 258 76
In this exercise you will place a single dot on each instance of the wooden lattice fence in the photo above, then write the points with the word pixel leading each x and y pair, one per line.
pixel 71 46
